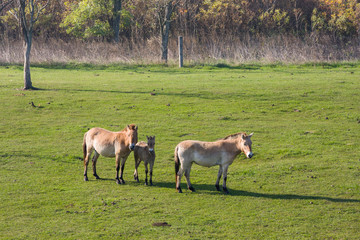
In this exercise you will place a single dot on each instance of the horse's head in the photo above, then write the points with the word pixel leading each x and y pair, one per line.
pixel 132 135
pixel 245 145
pixel 151 143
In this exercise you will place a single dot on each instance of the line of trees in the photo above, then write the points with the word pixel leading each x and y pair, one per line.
pixel 136 21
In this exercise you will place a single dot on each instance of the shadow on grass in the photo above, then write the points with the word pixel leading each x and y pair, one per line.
pixel 210 189
pixel 204 188
pixel 202 95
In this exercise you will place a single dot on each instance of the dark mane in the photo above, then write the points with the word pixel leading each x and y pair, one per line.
pixel 131 126
pixel 235 135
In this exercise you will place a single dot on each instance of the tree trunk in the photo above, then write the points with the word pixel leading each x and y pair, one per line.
pixel 164 44
pixel 27 37
pixel 165 29
pixel 116 19
pixel 27 76
pixel 33 8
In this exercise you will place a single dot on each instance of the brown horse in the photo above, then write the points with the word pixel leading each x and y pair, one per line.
pixel 145 152
pixel 109 144
pixel 222 152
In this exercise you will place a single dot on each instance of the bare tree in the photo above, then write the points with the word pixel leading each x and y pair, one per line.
pixel 27 12
pixel 116 19
pixel 165 8
pixel 4 4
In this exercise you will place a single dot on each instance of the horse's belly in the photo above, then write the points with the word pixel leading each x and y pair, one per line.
pixel 206 160
pixel 106 151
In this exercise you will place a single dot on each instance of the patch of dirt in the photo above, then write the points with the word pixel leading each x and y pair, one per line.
pixel 161 224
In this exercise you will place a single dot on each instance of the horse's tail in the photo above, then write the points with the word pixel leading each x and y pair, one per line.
pixel 84 146
pixel 177 163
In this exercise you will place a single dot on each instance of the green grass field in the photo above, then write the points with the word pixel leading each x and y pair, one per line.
pixel 302 183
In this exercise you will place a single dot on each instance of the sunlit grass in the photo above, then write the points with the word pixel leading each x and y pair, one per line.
pixel 303 181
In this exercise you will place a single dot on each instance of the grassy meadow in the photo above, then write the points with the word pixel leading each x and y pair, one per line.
pixel 302 183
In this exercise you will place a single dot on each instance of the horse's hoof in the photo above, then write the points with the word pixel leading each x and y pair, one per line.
pixel 192 189
pixel 96 176
pixel 118 181
pixel 179 190
pixel 122 181
pixel 217 188
pixel 146 184
pixel 225 190
pixel 151 184
pixel 86 179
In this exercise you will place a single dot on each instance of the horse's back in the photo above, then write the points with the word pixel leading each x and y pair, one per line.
pixel 96 131
pixel 141 144
pixel 100 135
pixel 140 147
pixel 201 146
pixel 140 150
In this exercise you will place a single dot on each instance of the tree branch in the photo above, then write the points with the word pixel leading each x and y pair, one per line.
pixel 40 10
pixel 22 18
pixel 15 14
pixel 4 5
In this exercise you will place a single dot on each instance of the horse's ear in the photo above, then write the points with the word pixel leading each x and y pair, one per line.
pixel 251 134
pixel 136 128
pixel 243 136
pixel 147 137
pixel 128 126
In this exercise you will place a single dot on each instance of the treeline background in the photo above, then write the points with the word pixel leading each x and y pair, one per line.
pixel 233 31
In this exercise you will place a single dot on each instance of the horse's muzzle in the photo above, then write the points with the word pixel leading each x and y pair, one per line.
pixel 132 147
pixel 250 155
pixel 151 150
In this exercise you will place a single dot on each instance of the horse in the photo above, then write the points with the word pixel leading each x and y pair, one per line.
pixel 145 152
pixel 109 144
pixel 222 152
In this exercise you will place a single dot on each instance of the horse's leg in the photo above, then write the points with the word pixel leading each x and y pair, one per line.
pixel 123 160
pixel 218 179
pixel 94 159
pixel 178 179
pixel 137 162
pixel 86 162
pixel 118 158
pixel 146 172
pixel 151 172
pixel 187 176
pixel 136 173
pixel 225 169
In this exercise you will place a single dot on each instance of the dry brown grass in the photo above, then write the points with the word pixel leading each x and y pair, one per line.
pixel 285 49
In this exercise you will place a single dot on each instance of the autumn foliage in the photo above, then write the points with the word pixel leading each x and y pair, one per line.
pixel 230 30
pixel 91 19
